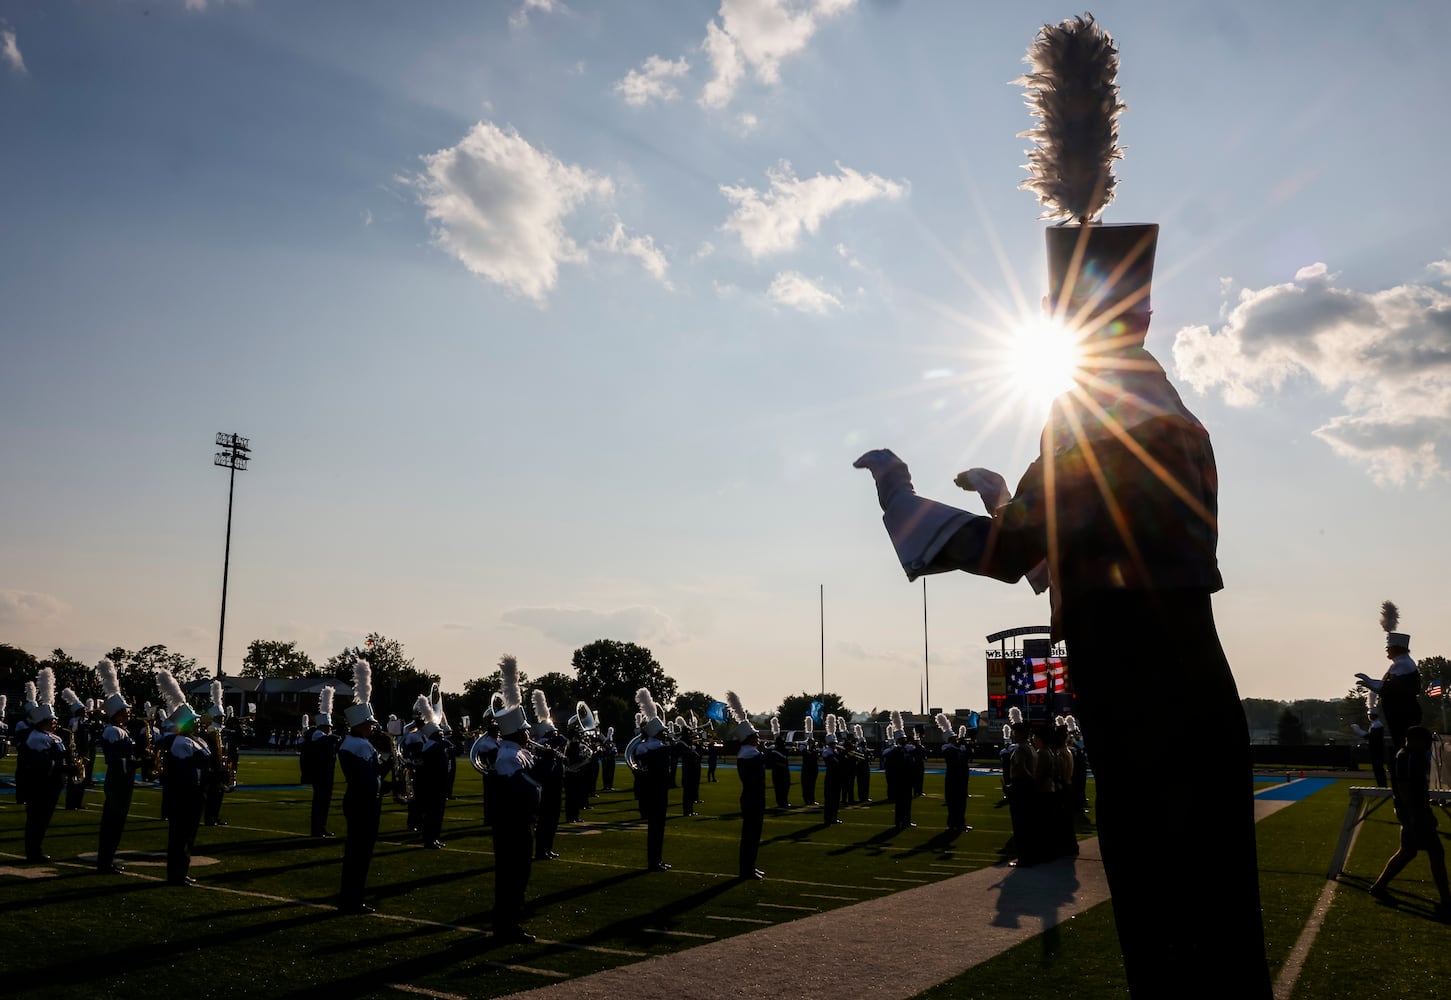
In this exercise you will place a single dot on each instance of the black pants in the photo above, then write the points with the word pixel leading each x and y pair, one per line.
pixel 808 784
pixel 655 831
pixel 183 816
pixel 322 798
pixel 513 850
pixel 113 818
pixel 955 793
pixel 39 808
pixel 752 821
pixel 362 818
pixel 832 792
pixel 1150 829
pixel 781 785
pixel 212 811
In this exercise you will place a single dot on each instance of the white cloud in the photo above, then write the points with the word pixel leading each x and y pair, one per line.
pixel 520 17
pixel 640 247
pixel 577 626
pixel 499 205
pixel 758 35
pixel 1386 353
pixel 794 290
pixel 10 51
pixel 772 222
pixel 653 81
pixel 28 607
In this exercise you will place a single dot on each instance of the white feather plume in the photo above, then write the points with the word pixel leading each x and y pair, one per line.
pixel 808 724
pixel 325 700
pixel 1007 733
pixel 110 682
pixel 858 732
pixel 897 721
pixel 891 732
pixel 45 687
pixel 422 709
pixel 944 723
pixel 541 706
pixel 4 700
pixel 680 723
pixel 733 702
pixel 962 732
pixel 69 697
pixel 362 682
pixel 509 671
pixel 775 726
pixel 1390 616
pixel 647 704
pixel 170 690
pixel 831 725
pixel 1015 715
pixel 215 690
pixel 305 721
pixel 30 693
pixel 1071 91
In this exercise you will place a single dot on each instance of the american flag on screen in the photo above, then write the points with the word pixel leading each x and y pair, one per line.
pixel 1435 690
pixel 1030 675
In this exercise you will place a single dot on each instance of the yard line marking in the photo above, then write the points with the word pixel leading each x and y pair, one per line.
pixel 426 993
pixel 817 895
pixel 597 948
pixel 910 881
pixel 740 920
pixel 784 906
pixel 688 934
pixel 1290 971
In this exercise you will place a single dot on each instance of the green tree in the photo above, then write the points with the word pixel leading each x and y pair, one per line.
pixel 697 702
pixel 559 691
pixel 1433 709
pixel 610 669
pixel 479 693
pixel 397 682
pixel 1291 730
pixel 1352 710
pixel 72 673
pixel 276 659
pixel 136 671
pixel 793 711
pixel 16 667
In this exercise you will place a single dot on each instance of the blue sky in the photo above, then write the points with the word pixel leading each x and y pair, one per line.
pixel 558 321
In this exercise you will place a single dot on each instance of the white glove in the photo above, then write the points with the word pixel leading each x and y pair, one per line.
pixel 890 472
pixel 988 484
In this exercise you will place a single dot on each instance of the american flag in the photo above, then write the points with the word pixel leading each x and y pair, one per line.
pixel 1032 675
pixel 1435 690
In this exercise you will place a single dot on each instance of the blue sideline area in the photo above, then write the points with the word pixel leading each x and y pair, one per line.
pixel 1294 791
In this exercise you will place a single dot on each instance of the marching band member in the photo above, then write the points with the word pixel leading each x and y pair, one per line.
pixel 956 763
pixel 810 763
pixel 40 765
pixel 780 766
pixel 608 753
pixel 216 777
pixel 318 759
pixel 837 771
pixel 430 786
pixel 410 752
pixel 73 734
pixel 121 763
pixel 1399 689
pixel 363 799
pixel 863 763
pixel 654 780
pixel 188 761
pixel 751 766
pixel 516 798
pixel 899 762
pixel 687 750
pixel 548 770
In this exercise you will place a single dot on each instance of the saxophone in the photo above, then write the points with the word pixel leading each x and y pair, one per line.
pixel 75 768
pixel 226 766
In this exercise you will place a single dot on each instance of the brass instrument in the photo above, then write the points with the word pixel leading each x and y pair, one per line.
pixel 75 768
pixel 387 752
pixel 482 756
pixel 583 729
pixel 632 749
pixel 228 768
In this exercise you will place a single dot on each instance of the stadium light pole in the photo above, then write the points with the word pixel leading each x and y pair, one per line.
pixel 234 455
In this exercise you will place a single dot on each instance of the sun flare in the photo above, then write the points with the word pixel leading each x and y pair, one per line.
pixel 1043 357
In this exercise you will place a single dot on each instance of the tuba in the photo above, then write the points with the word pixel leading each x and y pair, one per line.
pixel 483 754
pixel 632 750
pixel 435 698
pixel 583 729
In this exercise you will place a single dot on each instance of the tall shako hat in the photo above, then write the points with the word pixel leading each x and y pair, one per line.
pixel 178 712
pixel 543 723
pixel 511 716
pixel 361 710
pixel 899 729
pixel 424 719
pixel 1099 276
pixel 72 702
pixel 44 707
pixel 28 702
pixel 1390 620
pixel 325 698
pixel 743 730
pixel 650 725
pixel 945 724
pixel 831 730
pixel 808 724
pixel 216 709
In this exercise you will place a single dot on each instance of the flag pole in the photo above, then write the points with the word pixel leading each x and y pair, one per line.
pixel 926 668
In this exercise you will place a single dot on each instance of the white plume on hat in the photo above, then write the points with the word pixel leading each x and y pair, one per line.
pixel 305 721
pixel 1390 618
pixel 831 729
pixel 651 725
pixel 891 731
pixel 857 732
pixel 897 722
pixel 511 718
pixel 422 710
pixel 1007 733
pixel 1072 723
pixel 543 718
pixel 324 706
pixel 45 687
pixel 215 709
pixel 30 694
pixel 1015 715
pixel 69 697
pixel 775 726
pixel 962 732
pixel 744 729
pixel 4 700
pixel 170 690
pixel 361 710
pixel 808 724
pixel 944 723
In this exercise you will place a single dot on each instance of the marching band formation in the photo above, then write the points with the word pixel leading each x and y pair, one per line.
pixel 533 774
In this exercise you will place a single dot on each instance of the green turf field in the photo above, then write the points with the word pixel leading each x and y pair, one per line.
pixel 260 923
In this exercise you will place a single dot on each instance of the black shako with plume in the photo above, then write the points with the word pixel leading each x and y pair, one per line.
pixel 1072 93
